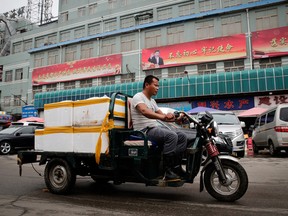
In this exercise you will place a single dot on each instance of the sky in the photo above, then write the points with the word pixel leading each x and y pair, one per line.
pixel 7 5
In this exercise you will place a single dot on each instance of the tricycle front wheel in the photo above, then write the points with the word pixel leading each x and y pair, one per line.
pixel 59 176
pixel 236 186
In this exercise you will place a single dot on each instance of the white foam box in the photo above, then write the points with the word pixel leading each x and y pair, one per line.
pixel 86 139
pixel 39 134
pixel 58 114
pixel 90 112
pixel 119 111
pixel 58 139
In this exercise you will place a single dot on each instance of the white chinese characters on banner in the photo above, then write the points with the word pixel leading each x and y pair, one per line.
pixel 270 100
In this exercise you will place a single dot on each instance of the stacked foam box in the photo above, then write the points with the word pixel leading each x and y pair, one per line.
pixel 78 126
pixel 88 117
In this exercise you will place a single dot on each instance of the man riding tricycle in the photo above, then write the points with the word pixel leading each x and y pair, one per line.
pixel 127 145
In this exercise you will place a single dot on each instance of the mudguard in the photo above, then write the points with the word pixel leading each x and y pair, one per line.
pixel 208 162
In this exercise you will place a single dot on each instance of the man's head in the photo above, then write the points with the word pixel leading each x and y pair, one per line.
pixel 157 53
pixel 151 85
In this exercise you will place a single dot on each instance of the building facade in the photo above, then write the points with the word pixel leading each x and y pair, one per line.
pixel 108 43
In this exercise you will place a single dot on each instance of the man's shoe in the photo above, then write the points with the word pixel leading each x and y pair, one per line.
pixel 169 175
pixel 179 171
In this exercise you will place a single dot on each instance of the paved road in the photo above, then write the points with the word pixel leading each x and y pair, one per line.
pixel 27 195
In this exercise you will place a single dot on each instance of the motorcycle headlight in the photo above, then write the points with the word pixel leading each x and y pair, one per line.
pixel 213 129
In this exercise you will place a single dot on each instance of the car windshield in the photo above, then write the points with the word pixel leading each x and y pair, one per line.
pixel 225 119
pixel 9 130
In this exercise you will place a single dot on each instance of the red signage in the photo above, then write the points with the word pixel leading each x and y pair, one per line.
pixel 209 50
pixel 76 70
pixel 270 43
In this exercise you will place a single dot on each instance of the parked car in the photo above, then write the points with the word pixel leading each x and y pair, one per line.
pixel 17 124
pixel 15 138
pixel 230 125
pixel 271 130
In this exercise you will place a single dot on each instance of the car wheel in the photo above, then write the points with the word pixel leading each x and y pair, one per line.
pixel 272 149
pixel 241 154
pixel 255 148
pixel 5 148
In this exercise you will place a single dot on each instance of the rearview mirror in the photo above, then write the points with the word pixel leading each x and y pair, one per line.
pixel 243 124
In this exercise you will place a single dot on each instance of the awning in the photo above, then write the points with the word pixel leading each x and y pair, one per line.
pixel 253 112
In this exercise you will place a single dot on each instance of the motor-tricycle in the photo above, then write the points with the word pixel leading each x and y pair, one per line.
pixel 132 157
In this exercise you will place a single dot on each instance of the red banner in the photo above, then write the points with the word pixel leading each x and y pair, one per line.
pixel 209 50
pixel 77 70
pixel 270 43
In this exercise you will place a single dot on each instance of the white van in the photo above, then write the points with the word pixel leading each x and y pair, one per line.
pixel 229 124
pixel 271 130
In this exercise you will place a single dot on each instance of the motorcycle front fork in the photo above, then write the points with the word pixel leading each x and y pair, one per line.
pixel 213 153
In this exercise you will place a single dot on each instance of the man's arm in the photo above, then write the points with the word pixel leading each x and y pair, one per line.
pixel 144 110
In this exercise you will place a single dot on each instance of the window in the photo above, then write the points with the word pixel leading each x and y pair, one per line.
pixel 208 68
pixel 205 29
pixel 81 11
pixel 109 80
pixel 128 42
pixel 230 3
pixel 110 25
pixel 64 36
pixel 92 8
pixel 266 19
pixel 164 13
pixel 145 17
pixel 17 100
pixel 127 22
pixel 112 4
pixel 70 53
pixel 7 100
pixel 19 74
pixel 64 17
pixel 39 60
pixel 1 72
pixel 186 9
pixel 175 34
pixel 94 29
pixel 231 25
pixel 80 32
pixel 270 116
pixel 86 50
pixel 207 5
pixel 175 72
pixel 69 85
pixel 53 57
pixel 284 114
pixel 17 47
pixel 156 73
pixel 270 62
pixel 262 120
pixel 8 76
pixel 287 14
pixel 36 89
pixel 108 46
pixel 153 38
pixel 39 42
pixel 51 87
pixel 85 83
pixel 27 45
pixel 127 78
pixel 52 39
pixel 27 130
pixel 234 65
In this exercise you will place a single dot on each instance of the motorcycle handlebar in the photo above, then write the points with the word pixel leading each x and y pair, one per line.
pixel 190 118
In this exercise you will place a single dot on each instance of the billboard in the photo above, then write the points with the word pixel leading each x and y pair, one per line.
pixel 209 50
pixel 242 103
pixel 77 70
pixel 270 43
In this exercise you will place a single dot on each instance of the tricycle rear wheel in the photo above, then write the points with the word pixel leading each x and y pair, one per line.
pixel 59 176
pixel 236 186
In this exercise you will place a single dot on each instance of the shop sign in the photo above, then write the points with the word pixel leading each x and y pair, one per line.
pixel 270 100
